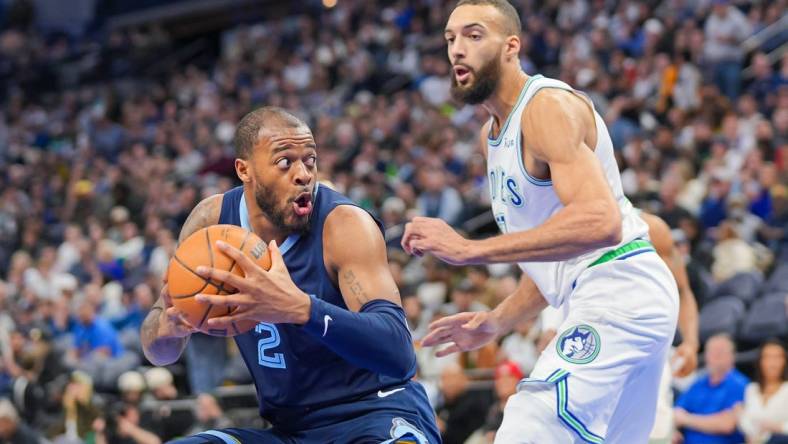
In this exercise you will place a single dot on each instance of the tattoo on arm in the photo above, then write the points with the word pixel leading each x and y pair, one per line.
pixel 355 288
pixel 206 213
pixel 354 284
pixel 150 326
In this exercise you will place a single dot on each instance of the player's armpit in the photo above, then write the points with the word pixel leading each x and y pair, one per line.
pixel 355 255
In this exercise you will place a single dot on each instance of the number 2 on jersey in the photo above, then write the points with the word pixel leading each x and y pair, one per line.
pixel 273 360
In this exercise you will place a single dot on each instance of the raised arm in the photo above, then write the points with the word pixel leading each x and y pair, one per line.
pixel 163 333
pixel 556 124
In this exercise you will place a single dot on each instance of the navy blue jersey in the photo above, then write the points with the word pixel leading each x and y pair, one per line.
pixel 294 373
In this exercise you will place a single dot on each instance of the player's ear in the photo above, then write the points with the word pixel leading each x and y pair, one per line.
pixel 512 47
pixel 242 170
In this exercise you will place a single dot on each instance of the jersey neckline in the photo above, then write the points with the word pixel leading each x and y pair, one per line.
pixel 497 140
pixel 243 214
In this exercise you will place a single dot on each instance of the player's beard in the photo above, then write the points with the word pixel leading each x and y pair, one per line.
pixel 484 82
pixel 269 204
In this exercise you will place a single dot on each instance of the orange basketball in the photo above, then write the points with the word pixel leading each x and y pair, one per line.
pixel 183 282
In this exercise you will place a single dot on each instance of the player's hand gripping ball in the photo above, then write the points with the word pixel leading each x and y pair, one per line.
pixel 200 249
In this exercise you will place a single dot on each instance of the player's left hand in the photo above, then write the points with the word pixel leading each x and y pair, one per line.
pixel 263 296
pixel 686 358
pixel 435 236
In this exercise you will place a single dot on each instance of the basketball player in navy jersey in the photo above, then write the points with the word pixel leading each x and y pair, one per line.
pixel 331 356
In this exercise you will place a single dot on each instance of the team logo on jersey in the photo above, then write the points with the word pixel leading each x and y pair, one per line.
pixel 579 344
pixel 404 432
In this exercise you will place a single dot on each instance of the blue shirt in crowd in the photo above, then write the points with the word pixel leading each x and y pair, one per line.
pixel 100 333
pixel 702 398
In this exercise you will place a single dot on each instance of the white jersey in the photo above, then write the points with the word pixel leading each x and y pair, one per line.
pixel 521 202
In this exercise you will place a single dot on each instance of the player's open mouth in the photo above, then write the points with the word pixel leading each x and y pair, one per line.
pixel 302 205
pixel 462 74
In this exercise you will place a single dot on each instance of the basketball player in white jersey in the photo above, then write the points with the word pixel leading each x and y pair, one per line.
pixel 557 198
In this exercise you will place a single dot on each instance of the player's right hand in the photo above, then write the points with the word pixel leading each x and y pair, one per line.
pixel 463 331
pixel 172 323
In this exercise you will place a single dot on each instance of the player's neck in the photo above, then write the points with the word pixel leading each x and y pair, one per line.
pixel 503 100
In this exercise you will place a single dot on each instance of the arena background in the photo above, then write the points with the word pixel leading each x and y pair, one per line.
pixel 118 116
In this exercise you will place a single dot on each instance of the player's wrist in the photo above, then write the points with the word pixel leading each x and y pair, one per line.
pixel 303 312
pixel 470 252
pixel 499 322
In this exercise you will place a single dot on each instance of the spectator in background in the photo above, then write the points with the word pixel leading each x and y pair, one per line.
pixel 209 415
pixel 160 383
pixel 705 413
pixel 463 298
pixel 131 386
pixel 774 231
pixel 167 422
pixel 438 199
pixel 732 254
pixel 520 346
pixel 123 427
pixel 463 410
pixel 12 429
pixel 725 29
pixel 80 407
pixel 97 347
pixel 764 415
pixel 507 376
pixel 418 318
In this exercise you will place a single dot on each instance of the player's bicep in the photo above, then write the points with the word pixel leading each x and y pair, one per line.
pixel 356 251
pixel 556 129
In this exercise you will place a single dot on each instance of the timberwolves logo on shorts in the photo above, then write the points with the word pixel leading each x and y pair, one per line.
pixel 579 344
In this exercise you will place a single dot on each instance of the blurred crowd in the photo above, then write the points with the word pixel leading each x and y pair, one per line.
pixel 101 162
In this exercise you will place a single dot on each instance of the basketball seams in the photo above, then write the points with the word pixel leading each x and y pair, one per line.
pixel 243 242
pixel 186 266
pixel 218 289
pixel 191 295
pixel 205 316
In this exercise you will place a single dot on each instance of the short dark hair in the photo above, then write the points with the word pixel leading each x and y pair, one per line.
pixel 512 25
pixel 249 127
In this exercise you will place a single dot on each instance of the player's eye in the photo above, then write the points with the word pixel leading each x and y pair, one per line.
pixel 476 37
pixel 310 161
pixel 283 163
pixel 449 39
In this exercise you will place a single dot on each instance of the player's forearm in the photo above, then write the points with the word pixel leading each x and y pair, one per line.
pixel 159 350
pixel 376 338
pixel 688 317
pixel 576 229
pixel 525 303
